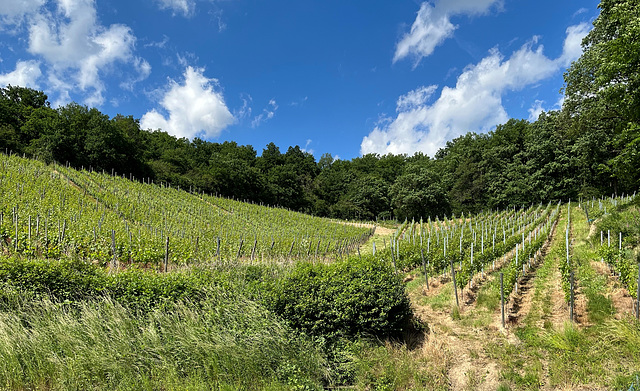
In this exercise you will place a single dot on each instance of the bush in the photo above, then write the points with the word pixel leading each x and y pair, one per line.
pixel 351 298
pixel 70 280
pixel 62 280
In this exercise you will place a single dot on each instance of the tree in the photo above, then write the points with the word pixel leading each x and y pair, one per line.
pixel 418 193
pixel 602 95
pixel 16 107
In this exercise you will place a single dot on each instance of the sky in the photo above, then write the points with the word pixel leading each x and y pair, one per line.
pixel 341 77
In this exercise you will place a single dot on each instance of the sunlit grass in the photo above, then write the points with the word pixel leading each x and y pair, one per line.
pixel 226 342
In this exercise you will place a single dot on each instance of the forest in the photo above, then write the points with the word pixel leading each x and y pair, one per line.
pixel 587 149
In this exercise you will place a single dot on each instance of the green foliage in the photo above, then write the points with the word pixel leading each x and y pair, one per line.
pixel 74 212
pixel 350 298
pixel 69 280
pixel 62 280
pixel 602 96
pixel 343 299
pixel 418 192
pixel 590 152
pixel 624 218
pixel 228 342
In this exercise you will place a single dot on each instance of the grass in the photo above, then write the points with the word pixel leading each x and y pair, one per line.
pixel 489 294
pixel 443 300
pixel 395 367
pixel 227 343
pixel 593 285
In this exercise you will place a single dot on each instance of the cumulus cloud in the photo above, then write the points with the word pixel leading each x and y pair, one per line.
pixel 74 50
pixel 195 108
pixel 415 98
pixel 74 44
pixel 26 74
pixel 267 113
pixel 473 104
pixel 572 48
pixel 433 26
pixel 13 12
pixel 185 7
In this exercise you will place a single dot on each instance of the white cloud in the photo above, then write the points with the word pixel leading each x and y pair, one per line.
pixel 143 70
pixel 159 44
pixel 415 98
pixel 74 44
pixel 186 7
pixel 572 48
pixel 74 50
pixel 306 147
pixel 26 74
pixel 535 110
pixel 13 12
pixel 195 108
pixel 433 26
pixel 580 11
pixel 473 104
pixel 267 113
pixel 245 110
pixel 299 102
pixel 429 30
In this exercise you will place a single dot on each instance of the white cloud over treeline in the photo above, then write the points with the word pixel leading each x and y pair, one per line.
pixel 473 104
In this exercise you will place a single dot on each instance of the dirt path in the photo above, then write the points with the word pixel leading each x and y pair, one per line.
pixel 461 349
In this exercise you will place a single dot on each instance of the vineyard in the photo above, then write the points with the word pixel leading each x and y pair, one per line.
pixel 113 282
pixel 52 211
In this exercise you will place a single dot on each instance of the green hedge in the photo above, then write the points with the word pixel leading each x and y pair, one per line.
pixel 69 280
pixel 354 297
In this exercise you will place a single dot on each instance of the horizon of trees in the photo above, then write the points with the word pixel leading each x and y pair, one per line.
pixel 587 149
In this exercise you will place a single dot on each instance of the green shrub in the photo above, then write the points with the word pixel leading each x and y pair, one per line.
pixel 355 297
pixel 69 280
pixel 63 280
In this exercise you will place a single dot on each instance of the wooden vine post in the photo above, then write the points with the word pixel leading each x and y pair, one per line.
pixel 424 269
pixel 502 296
pixel 571 296
pixel 638 296
pixel 113 247
pixel 453 278
pixel 166 255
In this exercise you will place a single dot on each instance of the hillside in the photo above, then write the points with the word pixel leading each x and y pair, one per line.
pixel 53 211
pixel 258 297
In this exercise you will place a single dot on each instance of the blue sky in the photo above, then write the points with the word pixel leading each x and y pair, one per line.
pixel 339 77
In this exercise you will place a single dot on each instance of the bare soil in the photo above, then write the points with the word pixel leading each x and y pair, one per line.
pixel 461 350
pixel 623 302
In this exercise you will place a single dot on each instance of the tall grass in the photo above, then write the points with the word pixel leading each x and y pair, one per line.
pixel 225 342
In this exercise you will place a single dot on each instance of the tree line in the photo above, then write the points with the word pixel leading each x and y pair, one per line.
pixel 589 148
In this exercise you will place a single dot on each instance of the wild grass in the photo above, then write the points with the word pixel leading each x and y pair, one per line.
pixel 593 285
pixel 226 342
pixel 395 367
